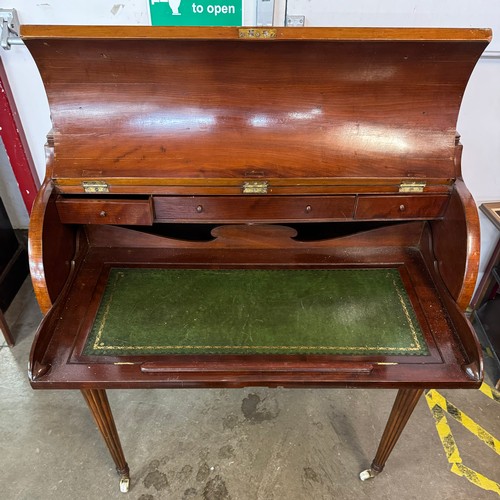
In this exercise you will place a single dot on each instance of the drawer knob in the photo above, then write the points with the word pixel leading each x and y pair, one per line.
pixel 308 208
pixel 199 209
pixel 102 213
pixel 402 208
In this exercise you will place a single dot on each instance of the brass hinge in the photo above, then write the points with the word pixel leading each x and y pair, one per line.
pixel 255 187
pixel 412 187
pixel 95 186
pixel 257 33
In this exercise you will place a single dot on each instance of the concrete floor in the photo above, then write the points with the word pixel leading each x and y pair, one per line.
pixel 249 444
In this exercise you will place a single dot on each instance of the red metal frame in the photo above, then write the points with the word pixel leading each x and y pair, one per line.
pixel 16 145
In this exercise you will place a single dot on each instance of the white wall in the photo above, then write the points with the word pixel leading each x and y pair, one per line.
pixel 402 13
pixel 479 120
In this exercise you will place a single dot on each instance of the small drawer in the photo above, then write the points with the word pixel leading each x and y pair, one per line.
pixel 401 207
pixel 253 208
pixel 105 211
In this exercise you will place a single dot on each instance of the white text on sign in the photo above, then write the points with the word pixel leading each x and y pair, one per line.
pixel 213 9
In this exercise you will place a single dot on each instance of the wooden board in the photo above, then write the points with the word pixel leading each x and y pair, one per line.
pixel 364 103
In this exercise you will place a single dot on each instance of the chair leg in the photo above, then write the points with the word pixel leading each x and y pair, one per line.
pixel 6 330
pixel 101 411
pixel 405 403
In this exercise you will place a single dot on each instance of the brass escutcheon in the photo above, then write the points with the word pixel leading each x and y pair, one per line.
pixel 255 187
pixel 257 33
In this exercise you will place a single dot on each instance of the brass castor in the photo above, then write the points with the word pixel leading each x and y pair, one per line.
pixel 367 474
pixel 124 484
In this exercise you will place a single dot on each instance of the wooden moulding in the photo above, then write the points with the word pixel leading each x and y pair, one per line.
pixel 150 32
pixel 163 186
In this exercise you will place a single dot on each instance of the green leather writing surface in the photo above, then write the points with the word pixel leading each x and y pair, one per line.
pixel 248 311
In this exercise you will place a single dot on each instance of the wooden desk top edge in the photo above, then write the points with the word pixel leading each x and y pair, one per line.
pixel 231 33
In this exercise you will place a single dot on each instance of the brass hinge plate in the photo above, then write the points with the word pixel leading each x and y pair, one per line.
pixel 257 33
pixel 412 187
pixel 255 187
pixel 95 186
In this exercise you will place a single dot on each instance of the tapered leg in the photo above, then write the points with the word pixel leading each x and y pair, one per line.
pixel 101 411
pixel 6 330
pixel 405 403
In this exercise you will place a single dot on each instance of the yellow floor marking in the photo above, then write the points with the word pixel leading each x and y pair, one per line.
pixel 490 392
pixel 438 405
pixel 476 478
pixel 465 420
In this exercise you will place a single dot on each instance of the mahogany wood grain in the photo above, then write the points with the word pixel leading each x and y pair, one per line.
pixel 468 338
pixel 361 105
pixel 406 400
pixel 38 363
pixel 400 207
pixel 456 245
pixel 223 365
pixel 98 404
pixel 202 33
pixel 458 157
pixel 253 208
pixel 105 211
pixel 278 187
pixel 259 237
pixel 51 247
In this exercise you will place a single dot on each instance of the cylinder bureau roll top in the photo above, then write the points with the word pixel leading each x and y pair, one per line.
pixel 214 107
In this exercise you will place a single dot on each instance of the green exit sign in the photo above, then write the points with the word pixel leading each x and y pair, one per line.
pixel 196 12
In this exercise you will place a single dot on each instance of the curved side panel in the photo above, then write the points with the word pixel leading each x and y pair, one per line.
pixel 35 247
pixel 51 247
pixel 456 245
pixel 470 343
pixel 38 365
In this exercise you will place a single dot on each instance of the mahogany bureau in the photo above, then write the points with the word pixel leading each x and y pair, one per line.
pixel 231 207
